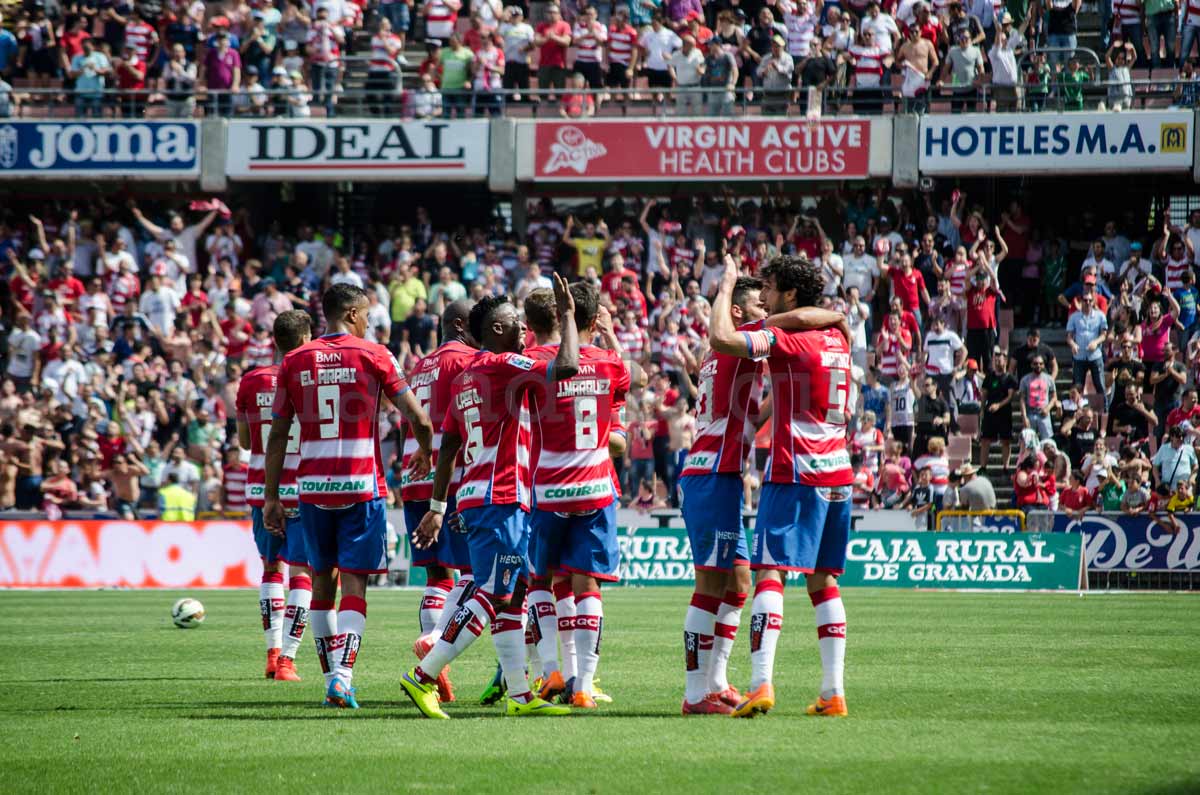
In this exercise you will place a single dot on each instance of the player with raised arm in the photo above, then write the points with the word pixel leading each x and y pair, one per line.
pixel 332 386
pixel 573 526
pixel 431 380
pixel 282 624
pixel 489 421
pixel 804 512
pixel 729 412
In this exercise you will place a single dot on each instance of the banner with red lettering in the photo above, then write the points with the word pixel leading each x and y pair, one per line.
pixel 701 150
pixel 94 554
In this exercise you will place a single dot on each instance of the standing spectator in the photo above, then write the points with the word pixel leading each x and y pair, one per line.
pixel 1039 400
pixel 160 304
pixel 222 73
pixel 323 48
pixel 456 61
pixel 1175 462
pixel 1190 32
pixel 517 36
pixel 427 100
pixel 383 73
pixel 932 416
pixel 623 50
pixel 552 38
pixel 909 286
pixel 902 401
pixel 870 58
pixel 1006 76
pixel 686 66
pixel 89 70
pixel 819 71
pixel 1162 18
pixel 8 49
pixel 130 72
pixel 918 59
pixel 999 390
pixel 589 38
pixel 441 17
pixel 963 71
pixel 1032 348
pixel 1073 83
pixel 1087 331
pixel 1167 380
pixel 656 45
pixel 489 76
pixel 981 315
pixel 944 353
pixel 802 26
pixel 1061 29
pixel 179 84
pixel 775 71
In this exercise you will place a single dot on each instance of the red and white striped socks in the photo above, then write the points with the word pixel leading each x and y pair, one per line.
pixel 463 627
pixel 729 616
pixel 564 608
pixel 589 624
pixel 698 628
pixel 324 627
pixel 295 614
pixel 766 622
pixel 831 636
pixel 433 603
pixel 270 605
pixel 351 621
pixel 541 606
pixel 509 639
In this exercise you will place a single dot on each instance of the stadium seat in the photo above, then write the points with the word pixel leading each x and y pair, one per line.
pixel 968 425
pixel 959 446
pixel 1005 317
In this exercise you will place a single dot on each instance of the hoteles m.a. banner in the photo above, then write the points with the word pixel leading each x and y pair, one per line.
pixel 701 150
pixel 94 554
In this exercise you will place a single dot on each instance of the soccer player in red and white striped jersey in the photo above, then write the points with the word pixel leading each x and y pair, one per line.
pixel 333 386
pixel 573 529
pixel 803 519
pixel 253 403
pixel 432 381
pixel 488 421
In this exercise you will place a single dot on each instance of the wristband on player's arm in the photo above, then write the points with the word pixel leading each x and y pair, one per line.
pixel 437 506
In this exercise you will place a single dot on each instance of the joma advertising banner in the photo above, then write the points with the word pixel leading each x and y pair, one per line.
pixel 93 554
pixel 701 150
pixel 1056 143
pixel 1136 543
pixel 328 150
pixel 110 148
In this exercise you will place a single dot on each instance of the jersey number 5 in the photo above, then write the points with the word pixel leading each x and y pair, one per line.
pixel 839 394
pixel 474 440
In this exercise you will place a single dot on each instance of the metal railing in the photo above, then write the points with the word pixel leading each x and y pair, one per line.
pixel 41 103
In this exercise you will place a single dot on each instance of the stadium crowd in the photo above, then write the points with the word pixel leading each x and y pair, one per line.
pixel 127 330
pixel 286 57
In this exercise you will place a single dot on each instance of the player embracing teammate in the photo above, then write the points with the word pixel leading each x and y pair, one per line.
pixel 803 522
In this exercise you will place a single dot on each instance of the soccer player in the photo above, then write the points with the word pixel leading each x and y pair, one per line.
pixel 728 415
pixel 332 387
pixel 804 513
pixel 255 397
pixel 573 527
pixel 489 421
pixel 431 382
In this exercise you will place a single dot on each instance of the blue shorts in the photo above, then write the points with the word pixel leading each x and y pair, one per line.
pixel 451 550
pixel 290 549
pixel 499 540
pixel 802 528
pixel 353 539
pixel 712 511
pixel 583 544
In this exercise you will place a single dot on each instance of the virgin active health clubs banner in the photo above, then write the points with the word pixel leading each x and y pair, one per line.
pixel 1056 143
pixel 696 150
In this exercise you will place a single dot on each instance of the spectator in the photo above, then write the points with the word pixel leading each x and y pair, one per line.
pixel 1120 87
pixel 720 78
pixel 686 67
pixel 383 74
pixel 455 64
pixel 963 71
pixel 222 74
pixel 518 38
pixel 999 390
pixel 323 46
pixel 1175 462
pixel 655 46
pixel 623 51
pixel 441 17
pixel 918 59
pixel 1039 399
pixel 89 70
pixel 179 84
pixel 1006 77
pixel 489 74
pixel 552 37
pixel 1074 80
pixel 932 415
pixel 427 100
pixel 1087 331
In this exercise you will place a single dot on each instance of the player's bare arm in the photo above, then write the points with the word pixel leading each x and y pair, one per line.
pixel 566 363
pixel 807 318
pixel 723 336
pixel 427 531
pixel 243 432
pixel 422 430
pixel 273 518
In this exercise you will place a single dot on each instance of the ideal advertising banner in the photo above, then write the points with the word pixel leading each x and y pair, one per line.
pixel 94 554
pixel 1116 542
pixel 328 150
pixel 1042 561
pixel 1056 143
pixel 701 150
pixel 110 148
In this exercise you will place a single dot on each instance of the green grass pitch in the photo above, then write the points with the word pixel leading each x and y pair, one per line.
pixel 948 693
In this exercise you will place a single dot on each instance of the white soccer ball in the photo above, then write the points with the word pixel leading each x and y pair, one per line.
pixel 187 613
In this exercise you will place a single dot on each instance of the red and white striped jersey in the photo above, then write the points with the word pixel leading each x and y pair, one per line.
pixel 677 255
pixel 729 399
pixel 1128 11
pixel 572 470
pixel 868 63
pixel 123 289
pixel 234 480
pixel 1174 273
pixel 621 41
pixel 939 469
pixel 489 411
pixel 957 272
pixel 333 386
pixel 810 383
pixel 1191 13
pixel 800 32
pixel 141 37
pixel 588 41
pixel 260 352
pixel 384 49
pixel 633 341
pixel 439 20
pixel 321 46
pixel 253 404
pixel 432 381
pixel 890 348
pixel 489 79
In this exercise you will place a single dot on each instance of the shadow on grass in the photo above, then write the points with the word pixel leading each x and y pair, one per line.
pixel 66 680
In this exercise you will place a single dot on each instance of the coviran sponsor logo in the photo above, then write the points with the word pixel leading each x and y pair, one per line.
pixel 332 486
pixel 578 490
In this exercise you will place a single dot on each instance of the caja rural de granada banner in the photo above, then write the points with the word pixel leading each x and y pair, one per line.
pixel 93 554
pixel 733 149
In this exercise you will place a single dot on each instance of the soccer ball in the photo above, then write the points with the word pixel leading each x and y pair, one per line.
pixel 187 613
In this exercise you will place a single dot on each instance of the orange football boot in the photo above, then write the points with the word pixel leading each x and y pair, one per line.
pixel 272 662
pixel 285 670
pixel 759 701
pixel 730 696
pixel 832 707
pixel 553 686
pixel 712 704
pixel 582 700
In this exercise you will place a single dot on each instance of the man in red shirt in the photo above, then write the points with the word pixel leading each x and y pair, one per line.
pixel 909 285
pixel 1186 411
pixel 131 80
pixel 552 37
pixel 981 316
pixel 611 283
pixel 1075 499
